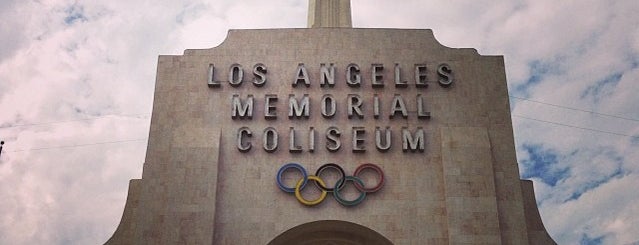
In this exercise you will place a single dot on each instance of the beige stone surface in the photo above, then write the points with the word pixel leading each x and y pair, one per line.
pixel 198 188
pixel 537 233
pixel 329 13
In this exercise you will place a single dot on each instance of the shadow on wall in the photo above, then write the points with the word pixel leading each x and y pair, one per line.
pixel 330 232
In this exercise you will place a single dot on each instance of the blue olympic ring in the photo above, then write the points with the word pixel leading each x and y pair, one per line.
pixel 284 168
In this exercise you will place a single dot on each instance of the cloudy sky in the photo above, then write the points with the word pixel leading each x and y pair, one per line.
pixel 77 79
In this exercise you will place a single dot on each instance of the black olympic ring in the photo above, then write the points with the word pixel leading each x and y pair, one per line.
pixel 340 183
pixel 359 184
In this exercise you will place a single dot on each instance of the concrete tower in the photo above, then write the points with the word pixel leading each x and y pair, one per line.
pixel 406 141
pixel 329 13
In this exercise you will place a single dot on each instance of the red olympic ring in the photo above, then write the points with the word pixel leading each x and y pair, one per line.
pixel 374 167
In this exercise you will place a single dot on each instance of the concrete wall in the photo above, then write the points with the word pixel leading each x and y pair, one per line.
pixel 198 188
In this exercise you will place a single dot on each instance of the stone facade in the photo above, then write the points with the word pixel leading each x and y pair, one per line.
pixel 329 13
pixel 198 187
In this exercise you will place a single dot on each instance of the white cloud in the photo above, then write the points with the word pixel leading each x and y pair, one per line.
pixel 605 211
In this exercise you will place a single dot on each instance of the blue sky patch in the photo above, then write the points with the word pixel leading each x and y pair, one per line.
pixel 602 87
pixel 74 13
pixel 592 185
pixel 600 177
pixel 587 240
pixel 543 164
pixel 538 70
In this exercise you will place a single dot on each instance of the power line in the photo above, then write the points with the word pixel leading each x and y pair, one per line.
pixel 79 145
pixel 143 139
pixel 135 115
pixel 75 120
pixel 572 126
pixel 577 109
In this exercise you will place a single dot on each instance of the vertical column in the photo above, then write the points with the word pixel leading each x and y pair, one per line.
pixel 471 200
pixel 329 13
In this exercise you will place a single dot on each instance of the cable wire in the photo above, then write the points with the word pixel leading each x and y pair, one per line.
pixel 78 145
pixel 144 114
pixel 75 120
pixel 576 109
pixel 572 126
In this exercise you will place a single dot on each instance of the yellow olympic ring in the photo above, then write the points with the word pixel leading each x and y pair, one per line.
pixel 312 202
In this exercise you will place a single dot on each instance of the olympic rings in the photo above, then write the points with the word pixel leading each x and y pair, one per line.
pixel 338 186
